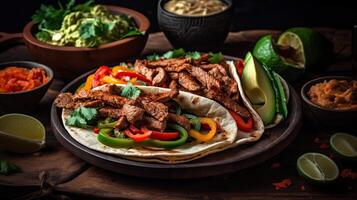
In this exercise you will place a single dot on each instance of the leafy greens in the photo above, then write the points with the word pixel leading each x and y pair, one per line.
pixel 130 91
pixel 82 117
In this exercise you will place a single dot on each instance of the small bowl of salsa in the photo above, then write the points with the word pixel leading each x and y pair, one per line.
pixel 22 85
pixel 332 101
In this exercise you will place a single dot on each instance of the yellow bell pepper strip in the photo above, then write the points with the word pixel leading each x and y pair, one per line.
pixel 112 80
pixel 133 81
pixel 205 137
pixel 80 87
pixel 89 81
pixel 119 68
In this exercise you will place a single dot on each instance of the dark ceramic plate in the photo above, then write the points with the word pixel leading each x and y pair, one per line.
pixel 273 142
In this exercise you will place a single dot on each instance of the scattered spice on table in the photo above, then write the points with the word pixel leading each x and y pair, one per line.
pixel 317 140
pixel 302 187
pixel 324 146
pixel 348 173
pixel 275 165
pixel 283 184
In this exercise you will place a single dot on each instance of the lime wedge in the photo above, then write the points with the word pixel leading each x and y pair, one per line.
pixel 21 133
pixel 317 168
pixel 344 145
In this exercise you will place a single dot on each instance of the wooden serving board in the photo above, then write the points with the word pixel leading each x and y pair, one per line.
pixel 272 142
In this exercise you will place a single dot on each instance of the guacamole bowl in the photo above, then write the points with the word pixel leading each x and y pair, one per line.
pixel 69 62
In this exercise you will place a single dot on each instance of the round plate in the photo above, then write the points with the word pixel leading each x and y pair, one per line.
pixel 272 142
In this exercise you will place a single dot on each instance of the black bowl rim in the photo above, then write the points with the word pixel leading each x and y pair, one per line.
pixel 230 4
pixel 29 64
pixel 307 86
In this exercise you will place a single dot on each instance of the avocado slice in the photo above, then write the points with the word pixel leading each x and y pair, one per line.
pixel 259 89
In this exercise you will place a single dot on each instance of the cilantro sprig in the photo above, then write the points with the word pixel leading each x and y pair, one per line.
pixel 180 53
pixel 82 117
pixel 130 91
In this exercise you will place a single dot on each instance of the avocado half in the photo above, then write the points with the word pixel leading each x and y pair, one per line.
pixel 259 89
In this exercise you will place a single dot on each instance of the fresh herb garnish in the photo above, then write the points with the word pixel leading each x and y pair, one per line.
pixel 176 53
pixel 194 55
pixel 133 32
pixel 130 91
pixel 82 117
pixel 215 57
pixel 7 168
pixel 153 57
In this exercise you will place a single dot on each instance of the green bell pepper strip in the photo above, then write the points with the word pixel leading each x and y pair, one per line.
pixel 195 121
pixel 106 125
pixel 105 139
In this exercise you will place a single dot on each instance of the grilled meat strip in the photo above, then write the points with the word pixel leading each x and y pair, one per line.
pixel 65 100
pixel 121 123
pixel 228 102
pixel 221 69
pixel 204 78
pixel 153 123
pixel 174 89
pixel 160 77
pixel 133 113
pixel 112 89
pixel 142 69
pixel 188 82
pixel 110 99
pixel 181 120
pixel 167 62
pixel 114 113
pixel 156 109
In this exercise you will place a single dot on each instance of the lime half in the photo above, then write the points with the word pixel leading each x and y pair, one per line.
pixel 309 47
pixel 317 168
pixel 21 133
pixel 344 145
pixel 288 61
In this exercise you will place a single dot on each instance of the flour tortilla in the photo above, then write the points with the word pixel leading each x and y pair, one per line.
pixel 197 105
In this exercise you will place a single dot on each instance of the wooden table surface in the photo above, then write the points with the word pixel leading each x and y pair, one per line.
pixel 54 173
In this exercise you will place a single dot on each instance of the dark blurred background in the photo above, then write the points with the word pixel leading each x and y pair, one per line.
pixel 249 14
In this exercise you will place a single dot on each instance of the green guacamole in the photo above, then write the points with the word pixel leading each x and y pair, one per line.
pixel 88 27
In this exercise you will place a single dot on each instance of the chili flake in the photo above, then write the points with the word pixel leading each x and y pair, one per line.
pixel 348 173
pixel 283 184
pixel 324 146
pixel 275 165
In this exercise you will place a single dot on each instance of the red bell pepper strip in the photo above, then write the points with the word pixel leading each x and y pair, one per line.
pixel 137 137
pixel 133 75
pixel 242 125
pixel 165 136
pixel 99 74
pixel 134 129
pixel 239 66
pixel 96 130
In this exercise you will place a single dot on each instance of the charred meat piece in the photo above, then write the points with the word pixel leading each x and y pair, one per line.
pixel 167 62
pixel 91 103
pixel 65 100
pixel 160 77
pixel 174 75
pixel 204 78
pixel 178 68
pixel 112 89
pixel 110 112
pixel 181 120
pixel 153 123
pixel 188 82
pixel 121 123
pixel 229 85
pixel 228 102
pixel 215 73
pixel 155 109
pixel 142 69
pixel 110 99
pixel 219 67
pixel 133 113
pixel 174 89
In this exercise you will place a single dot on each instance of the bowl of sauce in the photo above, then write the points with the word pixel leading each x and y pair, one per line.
pixel 195 24
pixel 332 101
pixel 22 85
